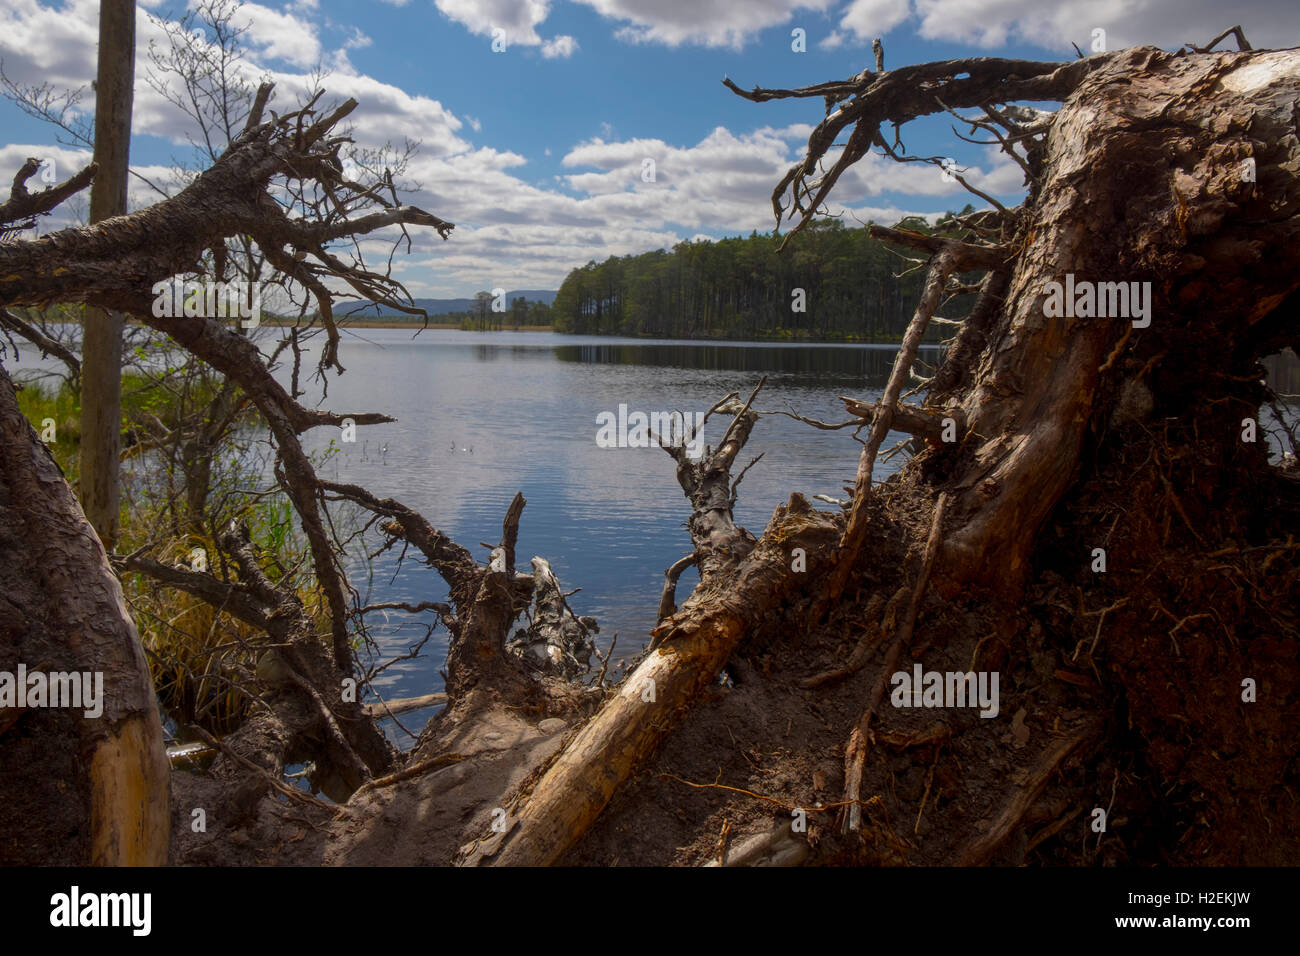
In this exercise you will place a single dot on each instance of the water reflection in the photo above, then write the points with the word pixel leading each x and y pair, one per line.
pixel 870 364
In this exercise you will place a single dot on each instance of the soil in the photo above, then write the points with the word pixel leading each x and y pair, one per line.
pixel 416 822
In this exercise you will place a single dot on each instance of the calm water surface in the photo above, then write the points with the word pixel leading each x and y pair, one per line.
pixel 483 415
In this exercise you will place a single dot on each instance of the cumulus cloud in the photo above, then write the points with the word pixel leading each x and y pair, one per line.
pixel 561 47
pixel 868 19
pixel 278 35
pixel 47 45
pixel 991 23
pixel 357 40
pixel 511 232
pixel 711 23
pixel 517 19
pixel 724 182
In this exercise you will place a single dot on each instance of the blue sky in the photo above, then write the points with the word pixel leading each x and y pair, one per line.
pixel 536 152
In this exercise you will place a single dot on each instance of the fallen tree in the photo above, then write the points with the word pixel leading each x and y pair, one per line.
pixel 1083 516
pixel 1138 183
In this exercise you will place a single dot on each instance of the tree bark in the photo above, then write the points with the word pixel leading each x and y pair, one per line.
pixel 101 379
pixel 1221 253
pixel 63 611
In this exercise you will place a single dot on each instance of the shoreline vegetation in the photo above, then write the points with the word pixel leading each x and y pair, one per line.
pixel 827 283
pixel 777 336
pixel 835 285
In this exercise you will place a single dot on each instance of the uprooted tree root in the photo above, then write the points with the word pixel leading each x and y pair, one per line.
pixel 1099 536
pixel 1125 709
pixel 1098 532
pixel 1107 702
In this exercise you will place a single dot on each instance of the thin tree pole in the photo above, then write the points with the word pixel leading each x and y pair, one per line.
pixel 101 363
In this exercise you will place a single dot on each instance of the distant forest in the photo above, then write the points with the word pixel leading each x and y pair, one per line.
pixel 855 288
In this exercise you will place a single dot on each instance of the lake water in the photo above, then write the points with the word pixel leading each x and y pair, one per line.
pixel 483 415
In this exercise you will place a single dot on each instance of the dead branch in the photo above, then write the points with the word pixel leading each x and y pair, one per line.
pixel 941 267
pixel 1236 31
pixel 47 345
pixel 452 561
pixel 922 422
pixel 391 708
pixel 697 641
pixel 22 209
pixel 668 600
pixel 901 95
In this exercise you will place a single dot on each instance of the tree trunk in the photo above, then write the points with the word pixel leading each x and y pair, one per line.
pixel 78 787
pixel 1145 181
pixel 101 360
pixel 739 586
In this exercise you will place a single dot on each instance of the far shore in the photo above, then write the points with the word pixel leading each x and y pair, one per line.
pixel 414 326
pixel 394 323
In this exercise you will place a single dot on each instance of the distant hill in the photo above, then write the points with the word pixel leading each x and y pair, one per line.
pixel 446 306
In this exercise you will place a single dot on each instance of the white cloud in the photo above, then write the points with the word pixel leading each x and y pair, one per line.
pixel 799 131
pixel 46 45
pixel 518 19
pixel 357 41
pixel 280 35
pixel 832 41
pixel 712 23
pixel 724 182
pixel 508 227
pixel 992 23
pixel 42 44
pixel 561 46
pixel 868 19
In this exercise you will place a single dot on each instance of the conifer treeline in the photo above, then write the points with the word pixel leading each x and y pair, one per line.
pixel 855 288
